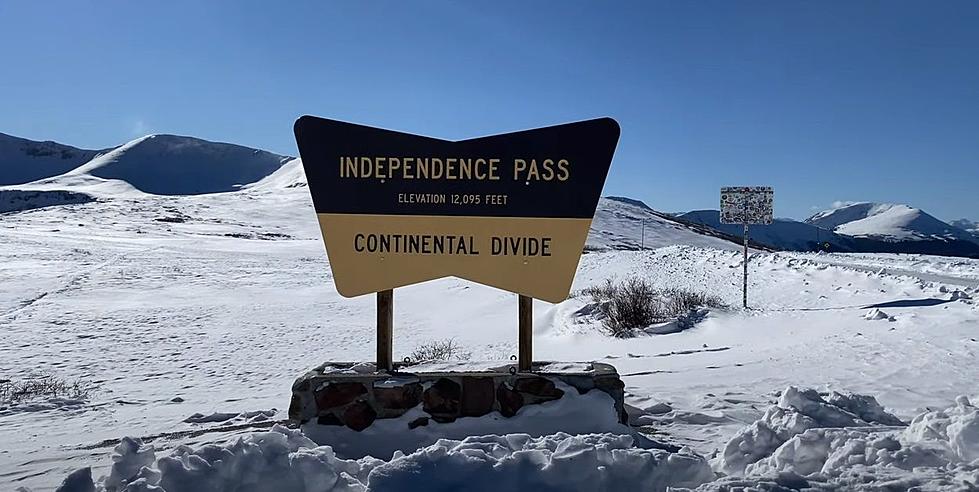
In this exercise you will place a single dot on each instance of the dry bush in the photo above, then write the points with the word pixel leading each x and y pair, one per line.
pixel 43 386
pixel 633 304
pixel 438 350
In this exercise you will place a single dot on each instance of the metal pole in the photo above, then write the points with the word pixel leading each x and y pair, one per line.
pixel 385 329
pixel 643 241
pixel 525 342
pixel 745 290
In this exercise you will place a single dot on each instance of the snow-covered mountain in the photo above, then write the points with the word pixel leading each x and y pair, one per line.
pixel 896 228
pixel 784 234
pixel 23 160
pixel 970 226
pixel 888 222
pixel 175 165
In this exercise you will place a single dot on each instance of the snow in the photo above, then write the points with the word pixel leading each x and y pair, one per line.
pixel 876 314
pixel 805 440
pixel 849 441
pixel 284 460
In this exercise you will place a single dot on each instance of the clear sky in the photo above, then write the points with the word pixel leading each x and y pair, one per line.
pixel 826 101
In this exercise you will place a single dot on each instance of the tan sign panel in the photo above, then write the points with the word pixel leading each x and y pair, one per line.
pixel 511 211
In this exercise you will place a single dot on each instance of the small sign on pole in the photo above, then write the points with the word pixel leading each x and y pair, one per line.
pixel 746 205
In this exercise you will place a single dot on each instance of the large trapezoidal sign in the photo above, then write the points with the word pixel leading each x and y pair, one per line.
pixel 511 211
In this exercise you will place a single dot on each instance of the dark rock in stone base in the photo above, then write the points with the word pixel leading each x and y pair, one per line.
pixel 442 399
pixel 419 422
pixel 328 419
pixel 477 396
pixel 510 401
pixel 399 397
pixel 295 407
pixel 359 415
pixel 338 394
pixel 540 387
pixel 79 480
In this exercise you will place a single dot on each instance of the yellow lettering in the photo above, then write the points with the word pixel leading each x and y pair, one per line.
pixel 518 166
pixel 548 169
pixel 366 167
pixel 563 172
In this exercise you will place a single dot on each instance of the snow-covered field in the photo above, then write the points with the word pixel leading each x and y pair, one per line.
pixel 213 304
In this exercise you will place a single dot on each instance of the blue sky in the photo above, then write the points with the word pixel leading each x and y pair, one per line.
pixel 826 101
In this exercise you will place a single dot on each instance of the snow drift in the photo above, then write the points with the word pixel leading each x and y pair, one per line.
pixel 283 460
pixel 847 441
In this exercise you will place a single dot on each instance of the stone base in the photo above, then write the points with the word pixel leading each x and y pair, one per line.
pixel 355 395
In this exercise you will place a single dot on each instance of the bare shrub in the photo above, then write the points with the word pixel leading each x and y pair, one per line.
pixel 438 350
pixel 683 301
pixel 43 386
pixel 633 304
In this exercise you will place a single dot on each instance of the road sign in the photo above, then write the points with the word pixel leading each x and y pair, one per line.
pixel 511 211
pixel 746 205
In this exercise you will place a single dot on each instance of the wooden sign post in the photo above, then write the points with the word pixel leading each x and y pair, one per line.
pixel 511 211
pixel 385 330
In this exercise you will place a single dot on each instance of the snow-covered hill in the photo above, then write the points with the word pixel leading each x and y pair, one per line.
pixel 23 160
pixel 887 221
pixel 621 223
pixel 175 165
pixel 290 175
pixel 784 234
pixel 896 228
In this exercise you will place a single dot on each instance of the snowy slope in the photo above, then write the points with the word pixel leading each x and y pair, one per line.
pixel 784 234
pixel 619 223
pixel 290 175
pixel 175 165
pixel 887 221
pixel 23 160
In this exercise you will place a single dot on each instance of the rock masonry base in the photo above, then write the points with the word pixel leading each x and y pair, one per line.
pixel 355 395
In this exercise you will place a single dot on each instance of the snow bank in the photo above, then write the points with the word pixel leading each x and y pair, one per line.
pixel 560 462
pixel 220 417
pixel 876 314
pixel 283 460
pixel 849 441
pixel 592 412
